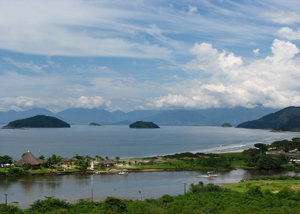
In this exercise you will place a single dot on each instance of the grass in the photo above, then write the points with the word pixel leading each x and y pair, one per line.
pixel 272 185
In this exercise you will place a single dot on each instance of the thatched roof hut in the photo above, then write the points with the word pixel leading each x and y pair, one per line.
pixel 108 163
pixel 28 158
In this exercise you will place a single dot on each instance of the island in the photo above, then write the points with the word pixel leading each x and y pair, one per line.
pixel 226 125
pixel 94 124
pixel 38 121
pixel 143 125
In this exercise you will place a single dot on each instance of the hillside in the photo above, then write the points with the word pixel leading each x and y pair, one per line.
pixel 39 121
pixel 287 119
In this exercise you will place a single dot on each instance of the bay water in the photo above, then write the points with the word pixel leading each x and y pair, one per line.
pixel 124 142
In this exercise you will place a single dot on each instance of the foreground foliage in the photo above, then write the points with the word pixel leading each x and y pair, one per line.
pixel 200 199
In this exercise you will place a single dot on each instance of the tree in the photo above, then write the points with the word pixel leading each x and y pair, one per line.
pixel 263 147
pixel 42 157
pixel 117 159
pixel 6 159
pixel 268 162
pixel 251 155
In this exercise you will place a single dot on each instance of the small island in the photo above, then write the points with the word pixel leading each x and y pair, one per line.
pixel 143 125
pixel 94 124
pixel 38 121
pixel 226 125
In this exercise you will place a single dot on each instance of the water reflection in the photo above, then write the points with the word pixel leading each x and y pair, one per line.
pixel 143 184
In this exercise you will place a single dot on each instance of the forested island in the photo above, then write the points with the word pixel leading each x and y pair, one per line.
pixel 38 121
pixel 94 124
pixel 143 125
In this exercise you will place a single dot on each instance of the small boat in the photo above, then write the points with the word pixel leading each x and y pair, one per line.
pixel 123 173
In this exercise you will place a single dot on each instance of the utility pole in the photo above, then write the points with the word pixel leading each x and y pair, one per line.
pixel 5 202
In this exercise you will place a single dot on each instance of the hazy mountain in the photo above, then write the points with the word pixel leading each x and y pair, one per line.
pixel 200 117
pixel 6 117
pixel 285 119
pixel 209 117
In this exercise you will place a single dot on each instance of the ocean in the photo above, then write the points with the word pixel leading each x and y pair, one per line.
pixel 124 142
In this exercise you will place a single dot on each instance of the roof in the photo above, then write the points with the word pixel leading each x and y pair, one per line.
pixel 108 162
pixel 28 158
pixel 65 160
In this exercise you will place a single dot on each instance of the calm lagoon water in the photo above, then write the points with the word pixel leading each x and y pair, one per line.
pixel 26 190
pixel 121 141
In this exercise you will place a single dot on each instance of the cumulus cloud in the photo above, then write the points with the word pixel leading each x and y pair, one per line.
pixel 272 82
pixel 289 33
pixel 24 103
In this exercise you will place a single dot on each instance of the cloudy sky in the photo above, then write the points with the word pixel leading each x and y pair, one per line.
pixel 151 54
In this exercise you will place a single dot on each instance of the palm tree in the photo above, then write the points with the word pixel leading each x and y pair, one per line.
pixel 117 159
pixel 106 157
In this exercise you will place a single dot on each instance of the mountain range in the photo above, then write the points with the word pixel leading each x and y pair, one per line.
pixel 179 117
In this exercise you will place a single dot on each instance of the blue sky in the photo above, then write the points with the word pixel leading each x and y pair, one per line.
pixel 151 54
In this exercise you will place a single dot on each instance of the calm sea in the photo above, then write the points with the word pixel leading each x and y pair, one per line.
pixel 124 142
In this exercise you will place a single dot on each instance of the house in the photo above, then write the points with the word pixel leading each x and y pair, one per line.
pixel 28 158
pixel 108 163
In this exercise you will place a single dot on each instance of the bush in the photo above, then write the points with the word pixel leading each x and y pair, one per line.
pixel 50 203
pixel 114 204
pixel 2 174
pixel 15 172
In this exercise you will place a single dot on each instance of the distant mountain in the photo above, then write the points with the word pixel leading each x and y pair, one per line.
pixel 198 117
pixel 6 117
pixel 287 119
pixel 38 121
pixel 208 117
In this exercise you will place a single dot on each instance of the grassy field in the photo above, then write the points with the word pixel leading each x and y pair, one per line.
pixel 272 185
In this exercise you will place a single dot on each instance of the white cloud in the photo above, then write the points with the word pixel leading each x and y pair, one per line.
pixel 283 50
pixel 210 60
pixel 72 28
pixel 272 82
pixel 30 66
pixel 289 33
pixel 23 103
pixel 282 17
pixel 256 51
pixel 193 9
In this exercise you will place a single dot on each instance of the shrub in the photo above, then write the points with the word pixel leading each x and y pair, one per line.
pixel 114 204
pixel 50 203
pixel 15 172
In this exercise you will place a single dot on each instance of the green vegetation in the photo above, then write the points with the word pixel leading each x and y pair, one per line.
pixel 260 197
pixel 143 125
pixel 94 124
pixel 287 119
pixel 226 125
pixel 39 121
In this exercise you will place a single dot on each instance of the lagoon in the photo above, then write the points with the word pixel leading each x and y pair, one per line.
pixel 138 186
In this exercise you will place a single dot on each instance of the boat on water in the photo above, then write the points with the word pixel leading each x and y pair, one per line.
pixel 123 173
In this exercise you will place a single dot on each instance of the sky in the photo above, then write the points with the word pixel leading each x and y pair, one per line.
pixel 149 54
